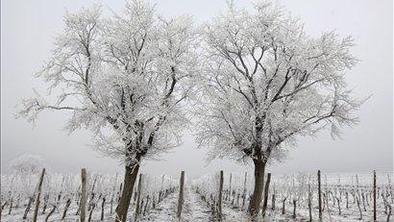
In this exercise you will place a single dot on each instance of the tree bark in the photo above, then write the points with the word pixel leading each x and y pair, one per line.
pixel 137 198
pixel 266 190
pixel 255 201
pixel 131 173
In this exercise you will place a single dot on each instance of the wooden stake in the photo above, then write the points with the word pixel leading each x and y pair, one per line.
pixel 180 198
pixel 220 196
pixel 310 203
pixel 102 209
pixel 244 191
pixel 374 195
pixel 319 190
pixel 231 177
pixel 83 195
pixel 38 195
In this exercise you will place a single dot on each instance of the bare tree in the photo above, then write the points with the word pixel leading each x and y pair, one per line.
pixel 27 164
pixel 267 82
pixel 125 78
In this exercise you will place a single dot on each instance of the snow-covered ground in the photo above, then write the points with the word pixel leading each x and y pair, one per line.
pixel 195 208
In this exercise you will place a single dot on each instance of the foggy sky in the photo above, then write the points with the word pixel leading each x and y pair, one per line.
pixel 28 29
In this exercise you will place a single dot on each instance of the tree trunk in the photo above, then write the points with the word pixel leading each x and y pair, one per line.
pixel 131 173
pixel 255 201
pixel 137 197
pixel 266 190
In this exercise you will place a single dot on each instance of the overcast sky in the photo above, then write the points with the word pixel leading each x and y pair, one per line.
pixel 29 27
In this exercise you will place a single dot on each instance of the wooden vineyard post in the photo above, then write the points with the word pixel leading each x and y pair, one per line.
pixel 161 189
pixel 273 199
pixel 220 196
pixel 180 198
pixel 102 209
pixel 83 195
pixel 319 193
pixel 38 195
pixel 266 189
pixel 244 191
pixel 229 189
pixel 310 203
pixel 374 195
pixel 137 207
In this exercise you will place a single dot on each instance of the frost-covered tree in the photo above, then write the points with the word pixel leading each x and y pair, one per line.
pixel 266 83
pixel 27 164
pixel 124 77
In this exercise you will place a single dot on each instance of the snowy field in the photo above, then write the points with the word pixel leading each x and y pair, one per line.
pixel 345 197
